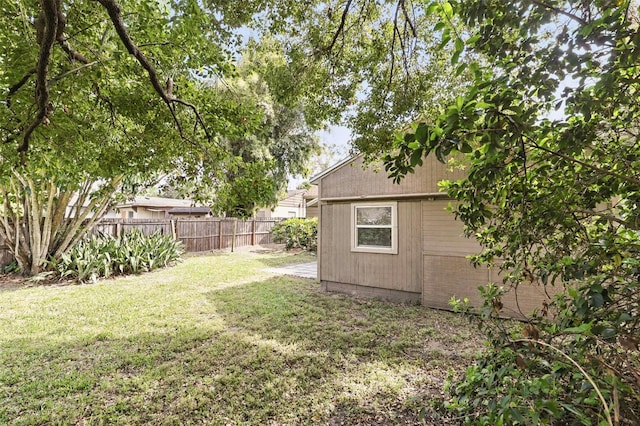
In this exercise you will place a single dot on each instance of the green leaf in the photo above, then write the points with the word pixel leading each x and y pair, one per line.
pixel 582 329
pixel 455 57
pixel 460 69
pixel 447 9
pixel 422 133
pixel 608 333
pixel 597 300
pixel 465 148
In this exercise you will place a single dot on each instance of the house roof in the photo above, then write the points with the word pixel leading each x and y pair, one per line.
pixel 316 179
pixel 156 202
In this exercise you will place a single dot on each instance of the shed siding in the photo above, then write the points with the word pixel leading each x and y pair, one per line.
pixel 448 273
pixel 402 272
pixel 351 181
pixel 442 234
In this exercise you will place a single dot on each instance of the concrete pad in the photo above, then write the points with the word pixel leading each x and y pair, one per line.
pixel 304 270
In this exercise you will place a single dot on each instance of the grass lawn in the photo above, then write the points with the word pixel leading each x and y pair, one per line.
pixel 218 340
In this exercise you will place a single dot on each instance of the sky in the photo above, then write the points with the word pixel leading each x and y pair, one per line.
pixel 336 136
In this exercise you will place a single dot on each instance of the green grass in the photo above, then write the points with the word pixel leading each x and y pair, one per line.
pixel 218 340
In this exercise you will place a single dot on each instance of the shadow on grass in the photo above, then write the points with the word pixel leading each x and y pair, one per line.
pixel 375 362
pixel 286 354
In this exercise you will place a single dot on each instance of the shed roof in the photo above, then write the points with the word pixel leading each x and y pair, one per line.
pixel 370 181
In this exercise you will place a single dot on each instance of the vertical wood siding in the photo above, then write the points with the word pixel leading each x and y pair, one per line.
pixel 397 272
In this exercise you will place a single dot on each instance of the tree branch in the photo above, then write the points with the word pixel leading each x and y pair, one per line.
pixel 13 89
pixel 408 20
pixel 72 54
pixel 113 9
pixel 340 29
pixel 629 179
pixel 560 11
pixel 65 74
pixel 50 18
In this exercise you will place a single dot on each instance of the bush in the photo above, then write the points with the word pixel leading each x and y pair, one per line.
pixel 105 255
pixel 297 233
pixel 578 366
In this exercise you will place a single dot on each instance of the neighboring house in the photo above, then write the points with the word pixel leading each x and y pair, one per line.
pixel 399 242
pixel 160 208
pixel 293 205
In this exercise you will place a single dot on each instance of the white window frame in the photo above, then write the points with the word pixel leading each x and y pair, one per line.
pixel 393 249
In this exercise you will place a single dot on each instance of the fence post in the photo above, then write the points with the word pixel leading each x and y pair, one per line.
pixel 174 229
pixel 233 238
pixel 220 234
pixel 118 229
pixel 253 232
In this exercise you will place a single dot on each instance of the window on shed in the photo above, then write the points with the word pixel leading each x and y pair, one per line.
pixel 374 227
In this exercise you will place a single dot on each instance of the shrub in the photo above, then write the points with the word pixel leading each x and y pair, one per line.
pixel 297 233
pixel 105 255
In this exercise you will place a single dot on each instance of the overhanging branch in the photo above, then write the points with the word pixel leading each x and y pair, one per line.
pixel 50 20
pixel 113 9
pixel 13 89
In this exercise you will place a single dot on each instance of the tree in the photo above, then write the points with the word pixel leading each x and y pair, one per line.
pixel 273 142
pixel 83 135
pixel 95 97
pixel 380 66
pixel 549 132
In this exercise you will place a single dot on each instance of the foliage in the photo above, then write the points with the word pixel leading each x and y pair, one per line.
pixel 549 131
pixel 297 233
pixel 103 95
pixel 43 216
pixel 10 268
pixel 102 256
pixel 272 143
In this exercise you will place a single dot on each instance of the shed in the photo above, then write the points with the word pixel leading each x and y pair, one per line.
pixel 399 241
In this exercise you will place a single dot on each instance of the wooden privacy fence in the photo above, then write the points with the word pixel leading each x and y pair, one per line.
pixel 198 235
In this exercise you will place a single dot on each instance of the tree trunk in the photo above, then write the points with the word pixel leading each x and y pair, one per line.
pixel 40 220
